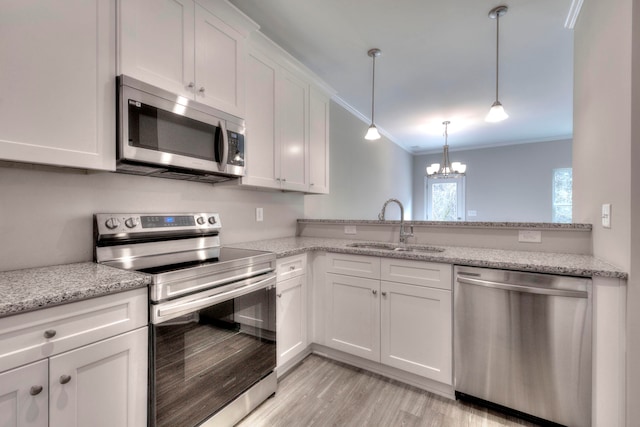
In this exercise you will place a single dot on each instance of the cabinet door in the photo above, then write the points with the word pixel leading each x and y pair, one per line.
pixel 293 132
pixel 353 315
pixel 416 330
pixel 291 312
pixel 102 384
pixel 157 43
pixel 57 91
pixel 263 148
pixel 318 142
pixel 24 396
pixel 220 52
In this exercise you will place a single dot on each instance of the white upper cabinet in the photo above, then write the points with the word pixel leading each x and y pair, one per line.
pixel 158 47
pixel 294 145
pixel 318 142
pixel 287 122
pixel 57 91
pixel 193 49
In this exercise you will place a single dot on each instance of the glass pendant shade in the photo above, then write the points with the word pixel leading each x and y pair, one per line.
pixel 496 113
pixel 372 133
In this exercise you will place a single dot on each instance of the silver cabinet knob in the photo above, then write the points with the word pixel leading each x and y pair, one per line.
pixel 279 295
pixel 384 294
pixel 65 379
pixel 191 85
pixel 201 90
pixel 293 267
pixel 374 292
pixel 284 179
pixel 35 390
pixel 49 333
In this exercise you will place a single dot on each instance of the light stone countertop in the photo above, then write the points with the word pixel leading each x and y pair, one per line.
pixel 540 262
pixel 36 288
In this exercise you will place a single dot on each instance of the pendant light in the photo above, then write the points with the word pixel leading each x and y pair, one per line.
pixel 447 170
pixel 497 113
pixel 372 132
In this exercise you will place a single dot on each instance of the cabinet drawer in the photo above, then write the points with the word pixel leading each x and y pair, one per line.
pixel 23 337
pixel 354 265
pixel 421 273
pixel 290 267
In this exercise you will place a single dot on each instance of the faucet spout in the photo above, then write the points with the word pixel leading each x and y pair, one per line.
pixel 403 233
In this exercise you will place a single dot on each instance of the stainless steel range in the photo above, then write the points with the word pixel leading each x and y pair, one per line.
pixel 212 315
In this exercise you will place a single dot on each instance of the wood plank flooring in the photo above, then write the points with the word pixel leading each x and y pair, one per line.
pixel 322 392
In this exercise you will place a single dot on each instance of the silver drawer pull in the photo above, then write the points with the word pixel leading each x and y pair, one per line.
pixel 374 292
pixel 49 333
pixel 293 267
pixel 35 390
pixel 65 379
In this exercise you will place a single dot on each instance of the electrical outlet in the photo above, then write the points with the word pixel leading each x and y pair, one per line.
pixel 529 236
pixel 606 215
pixel 472 213
pixel 350 229
pixel 259 214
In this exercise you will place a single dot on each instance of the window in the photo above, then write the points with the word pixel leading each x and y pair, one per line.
pixel 562 195
pixel 445 199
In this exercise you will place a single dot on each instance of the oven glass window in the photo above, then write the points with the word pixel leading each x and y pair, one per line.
pixel 159 130
pixel 204 360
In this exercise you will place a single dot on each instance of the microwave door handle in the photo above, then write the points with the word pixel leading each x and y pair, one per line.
pixel 222 164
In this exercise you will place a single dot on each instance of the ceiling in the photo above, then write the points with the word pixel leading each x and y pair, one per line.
pixel 437 63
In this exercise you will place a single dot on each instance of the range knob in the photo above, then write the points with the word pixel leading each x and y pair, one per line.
pixel 212 220
pixel 112 223
pixel 200 220
pixel 131 222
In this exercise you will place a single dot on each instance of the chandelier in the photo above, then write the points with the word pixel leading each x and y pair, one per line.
pixel 447 169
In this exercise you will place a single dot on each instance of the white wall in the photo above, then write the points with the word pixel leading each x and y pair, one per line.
pixel 508 183
pixel 606 138
pixel 46 212
pixel 364 174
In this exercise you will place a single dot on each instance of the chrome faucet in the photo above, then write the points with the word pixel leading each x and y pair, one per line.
pixel 403 233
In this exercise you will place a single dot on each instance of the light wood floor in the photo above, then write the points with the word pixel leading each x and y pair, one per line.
pixel 322 392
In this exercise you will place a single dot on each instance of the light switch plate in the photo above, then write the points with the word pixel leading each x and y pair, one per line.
pixel 606 215
pixel 350 229
pixel 529 236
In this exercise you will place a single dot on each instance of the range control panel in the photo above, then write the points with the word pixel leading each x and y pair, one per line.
pixel 149 223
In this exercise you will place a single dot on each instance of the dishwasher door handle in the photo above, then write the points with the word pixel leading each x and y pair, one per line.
pixel 522 288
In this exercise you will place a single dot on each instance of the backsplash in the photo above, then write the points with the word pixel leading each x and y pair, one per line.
pixel 46 213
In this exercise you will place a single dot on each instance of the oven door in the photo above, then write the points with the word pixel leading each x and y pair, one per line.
pixel 209 349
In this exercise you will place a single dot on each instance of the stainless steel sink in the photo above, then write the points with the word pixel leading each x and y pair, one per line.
pixel 395 247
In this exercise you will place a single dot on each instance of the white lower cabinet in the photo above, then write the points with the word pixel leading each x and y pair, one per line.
pixel 92 375
pixel 291 311
pixel 416 330
pixel 403 320
pixel 353 315
pixel 24 396
pixel 102 384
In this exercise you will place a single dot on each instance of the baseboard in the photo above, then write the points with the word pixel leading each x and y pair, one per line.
pixel 295 361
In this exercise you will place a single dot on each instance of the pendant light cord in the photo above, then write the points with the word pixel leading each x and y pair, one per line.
pixel 373 90
pixel 497 51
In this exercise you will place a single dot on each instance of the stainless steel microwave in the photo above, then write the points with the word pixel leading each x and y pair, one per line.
pixel 166 135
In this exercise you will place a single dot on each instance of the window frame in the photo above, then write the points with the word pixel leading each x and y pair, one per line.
pixel 460 193
pixel 554 205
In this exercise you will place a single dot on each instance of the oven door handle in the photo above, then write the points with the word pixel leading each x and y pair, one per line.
pixel 169 311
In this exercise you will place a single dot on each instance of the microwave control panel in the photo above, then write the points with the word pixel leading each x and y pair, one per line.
pixel 236 148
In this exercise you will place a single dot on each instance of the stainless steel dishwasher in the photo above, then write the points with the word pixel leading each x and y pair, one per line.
pixel 522 343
